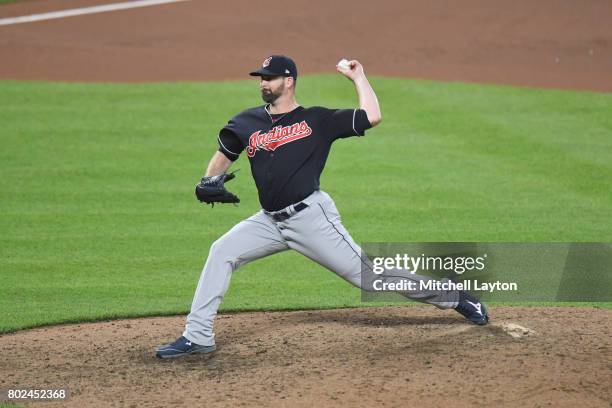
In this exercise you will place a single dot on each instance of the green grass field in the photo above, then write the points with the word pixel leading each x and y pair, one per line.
pixel 98 217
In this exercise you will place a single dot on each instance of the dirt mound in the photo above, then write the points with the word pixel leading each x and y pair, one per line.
pixel 390 357
pixel 535 43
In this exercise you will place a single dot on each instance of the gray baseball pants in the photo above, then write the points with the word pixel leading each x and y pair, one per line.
pixel 316 232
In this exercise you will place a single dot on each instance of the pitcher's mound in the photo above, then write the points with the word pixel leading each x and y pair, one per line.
pixel 399 356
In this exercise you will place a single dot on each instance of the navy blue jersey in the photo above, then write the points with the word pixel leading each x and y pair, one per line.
pixel 288 151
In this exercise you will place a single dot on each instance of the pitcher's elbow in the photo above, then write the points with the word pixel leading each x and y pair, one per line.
pixel 375 119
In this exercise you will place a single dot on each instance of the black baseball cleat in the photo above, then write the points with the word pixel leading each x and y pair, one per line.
pixel 182 347
pixel 472 309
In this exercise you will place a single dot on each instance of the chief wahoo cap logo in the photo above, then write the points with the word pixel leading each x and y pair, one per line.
pixel 266 62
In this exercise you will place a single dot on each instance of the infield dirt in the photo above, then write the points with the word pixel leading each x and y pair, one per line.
pixel 391 357
pixel 400 356
pixel 551 43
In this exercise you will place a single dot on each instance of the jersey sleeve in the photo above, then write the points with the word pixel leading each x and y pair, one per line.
pixel 342 123
pixel 229 142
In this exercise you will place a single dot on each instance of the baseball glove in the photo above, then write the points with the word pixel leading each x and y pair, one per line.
pixel 212 190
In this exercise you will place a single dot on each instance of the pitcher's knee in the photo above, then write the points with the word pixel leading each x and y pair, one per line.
pixel 221 249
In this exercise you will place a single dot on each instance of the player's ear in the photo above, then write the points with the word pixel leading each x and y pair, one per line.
pixel 291 82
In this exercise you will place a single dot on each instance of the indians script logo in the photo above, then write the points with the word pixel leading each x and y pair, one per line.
pixel 276 137
pixel 266 62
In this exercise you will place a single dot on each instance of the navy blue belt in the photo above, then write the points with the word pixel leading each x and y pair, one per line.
pixel 283 215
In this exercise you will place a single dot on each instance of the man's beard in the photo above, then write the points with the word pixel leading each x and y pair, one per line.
pixel 269 96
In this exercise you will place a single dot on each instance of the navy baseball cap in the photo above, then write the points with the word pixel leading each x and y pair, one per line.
pixel 277 65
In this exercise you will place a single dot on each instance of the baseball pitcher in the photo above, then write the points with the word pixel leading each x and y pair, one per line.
pixel 287 146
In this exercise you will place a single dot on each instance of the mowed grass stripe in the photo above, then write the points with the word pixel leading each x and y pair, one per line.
pixel 99 218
